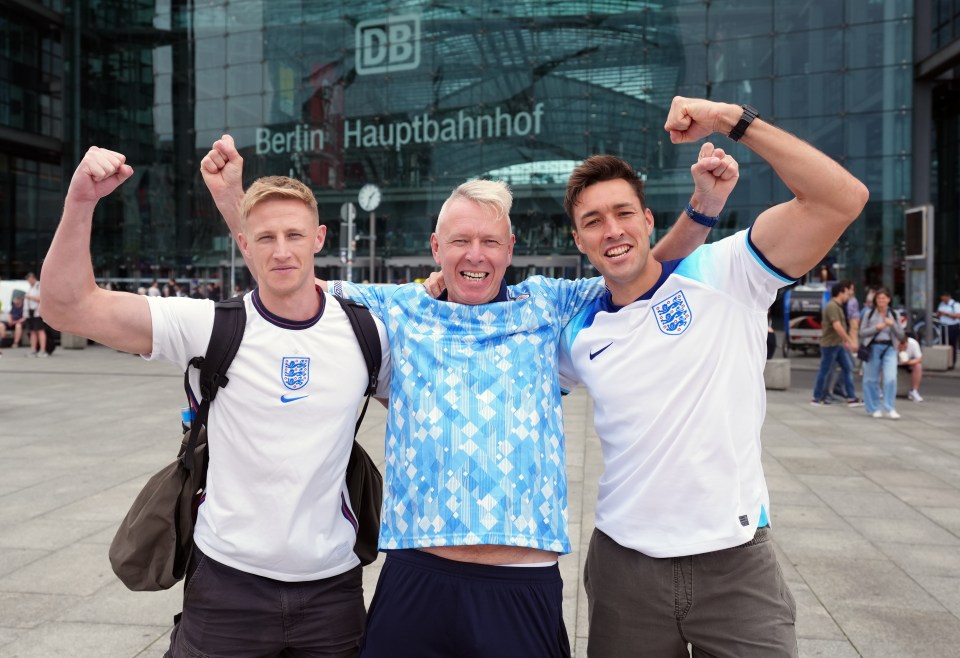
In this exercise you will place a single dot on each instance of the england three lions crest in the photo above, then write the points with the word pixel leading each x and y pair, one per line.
pixel 673 315
pixel 295 371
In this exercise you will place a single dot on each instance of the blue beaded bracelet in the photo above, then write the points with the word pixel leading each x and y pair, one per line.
pixel 700 218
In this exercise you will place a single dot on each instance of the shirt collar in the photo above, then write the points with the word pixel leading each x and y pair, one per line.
pixel 667 268
pixel 502 296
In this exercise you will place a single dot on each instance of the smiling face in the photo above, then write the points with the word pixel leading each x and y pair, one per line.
pixel 280 238
pixel 473 247
pixel 881 300
pixel 612 228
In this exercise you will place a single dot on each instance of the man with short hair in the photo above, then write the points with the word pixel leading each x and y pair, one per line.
pixel 673 357
pixel 273 570
pixel 836 345
pixel 949 313
pixel 475 508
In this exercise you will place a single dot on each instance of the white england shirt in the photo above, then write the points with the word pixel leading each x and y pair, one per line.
pixel 677 382
pixel 279 436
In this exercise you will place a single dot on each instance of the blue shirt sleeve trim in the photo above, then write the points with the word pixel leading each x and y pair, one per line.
pixel 767 265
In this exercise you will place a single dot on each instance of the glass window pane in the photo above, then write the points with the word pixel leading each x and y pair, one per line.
pixel 802 53
pixel 873 90
pixel 879 44
pixel 808 95
pixel 244 79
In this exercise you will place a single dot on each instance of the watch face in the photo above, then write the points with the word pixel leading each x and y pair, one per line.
pixel 369 197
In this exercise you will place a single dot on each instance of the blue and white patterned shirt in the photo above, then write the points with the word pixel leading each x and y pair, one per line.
pixel 474 444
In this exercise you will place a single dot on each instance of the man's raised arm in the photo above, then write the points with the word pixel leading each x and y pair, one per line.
pixel 222 171
pixel 795 235
pixel 715 174
pixel 72 301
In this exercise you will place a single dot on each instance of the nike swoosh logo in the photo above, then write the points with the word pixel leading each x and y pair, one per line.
pixel 285 399
pixel 594 355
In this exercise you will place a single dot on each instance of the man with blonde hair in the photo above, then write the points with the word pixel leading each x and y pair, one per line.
pixel 273 570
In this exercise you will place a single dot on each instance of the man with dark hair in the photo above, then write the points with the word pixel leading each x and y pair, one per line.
pixel 836 345
pixel 673 357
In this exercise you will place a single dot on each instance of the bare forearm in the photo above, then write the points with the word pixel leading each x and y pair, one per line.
pixel 838 327
pixel 685 236
pixel 67 273
pixel 229 206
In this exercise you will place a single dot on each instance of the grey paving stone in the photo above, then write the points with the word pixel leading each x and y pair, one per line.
pixel 8 635
pixel 897 633
pixel 813 648
pixel 903 531
pixel 785 483
pixel 12 559
pixel 81 640
pixel 854 503
pixel 813 620
pixel 798 516
pixel 927 496
pixel 815 545
pixel 47 534
pixel 79 569
pixel 158 648
pixel 25 610
pixel 839 483
pixel 924 560
pixel 115 604
pixel 904 477
pixel 947 517
pixel 943 589
pixel 855 581
pixel 825 465
pixel 806 498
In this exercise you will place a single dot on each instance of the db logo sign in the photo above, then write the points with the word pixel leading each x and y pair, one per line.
pixel 388 45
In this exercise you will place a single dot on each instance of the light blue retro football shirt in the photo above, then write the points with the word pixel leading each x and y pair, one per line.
pixel 474 444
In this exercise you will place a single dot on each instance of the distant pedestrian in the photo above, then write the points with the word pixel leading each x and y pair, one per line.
pixel 836 344
pixel 949 313
pixel 880 329
pixel 911 359
pixel 38 335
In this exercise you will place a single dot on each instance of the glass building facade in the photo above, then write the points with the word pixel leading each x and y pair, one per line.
pixel 418 96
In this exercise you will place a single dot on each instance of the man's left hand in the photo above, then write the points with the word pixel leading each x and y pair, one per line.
pixel 715 174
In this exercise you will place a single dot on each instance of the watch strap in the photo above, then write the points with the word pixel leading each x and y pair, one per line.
pixel 749 114
pixel 700 218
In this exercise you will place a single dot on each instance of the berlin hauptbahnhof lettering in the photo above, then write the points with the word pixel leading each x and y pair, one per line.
pixel 423 129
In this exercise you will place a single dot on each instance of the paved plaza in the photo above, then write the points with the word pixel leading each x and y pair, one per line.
pixel 866 512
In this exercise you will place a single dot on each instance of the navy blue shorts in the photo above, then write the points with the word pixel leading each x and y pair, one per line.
pixel 429 607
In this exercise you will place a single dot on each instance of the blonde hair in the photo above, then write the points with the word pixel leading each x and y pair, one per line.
pixel 493 194
pixel 277 188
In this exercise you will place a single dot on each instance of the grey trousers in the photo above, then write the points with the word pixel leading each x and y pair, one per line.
pixel 732 603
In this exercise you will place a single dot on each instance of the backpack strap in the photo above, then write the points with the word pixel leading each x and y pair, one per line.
pixel 369 340
pixel 229 322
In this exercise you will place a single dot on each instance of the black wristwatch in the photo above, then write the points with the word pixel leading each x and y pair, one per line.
pixel 749 114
